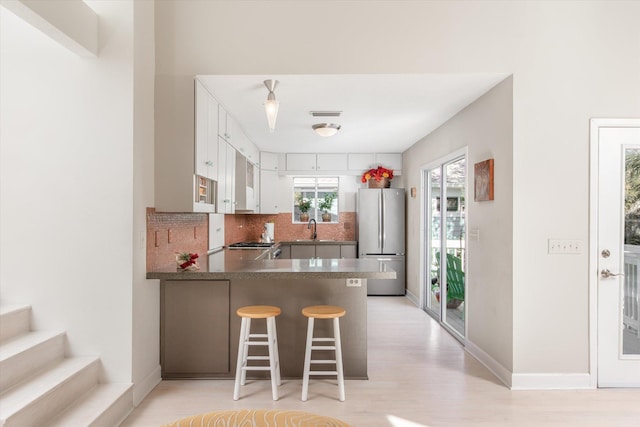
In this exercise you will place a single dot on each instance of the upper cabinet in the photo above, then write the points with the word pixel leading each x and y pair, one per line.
pixel 230 131
pixel 344 164
pixel 269 183
pixel 206 133
pixel 186 170
pixel 316 162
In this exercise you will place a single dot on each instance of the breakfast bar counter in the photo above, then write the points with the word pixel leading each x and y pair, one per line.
pixel 198 323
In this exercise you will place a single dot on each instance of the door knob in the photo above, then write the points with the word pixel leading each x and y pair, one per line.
pixel 605 273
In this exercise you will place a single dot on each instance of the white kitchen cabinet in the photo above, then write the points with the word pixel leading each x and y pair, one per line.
pixel 224 131
pixel 244 146
pixel 216 231
pixel 331 162
pixel 181 168
pixel 226 177
pixel 305 162
pixel 360 162
pixel 268 161
pixel 301 162
pixel 269 184
pixel 245 184
pixel 206 133
pixel 390 161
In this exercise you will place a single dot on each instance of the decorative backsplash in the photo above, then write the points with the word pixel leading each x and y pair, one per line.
pixel 168 233
pixel 239 228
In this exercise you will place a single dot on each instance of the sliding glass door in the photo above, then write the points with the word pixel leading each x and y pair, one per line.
pixel 444 243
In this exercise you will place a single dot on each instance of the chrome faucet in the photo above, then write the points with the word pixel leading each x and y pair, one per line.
pixel 315 235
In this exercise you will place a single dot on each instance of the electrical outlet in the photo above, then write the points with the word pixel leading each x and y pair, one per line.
pixel 354 283
pixel 565 246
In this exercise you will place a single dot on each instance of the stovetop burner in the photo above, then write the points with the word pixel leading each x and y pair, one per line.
pixel 250 245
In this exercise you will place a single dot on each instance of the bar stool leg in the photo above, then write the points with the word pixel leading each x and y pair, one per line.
pixel 307 360
pixel 272 357
pixel 241 356
pixel 336 335
pixel 276 352
pixel 245 351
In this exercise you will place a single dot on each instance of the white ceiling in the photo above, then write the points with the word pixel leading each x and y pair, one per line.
pixel 380 113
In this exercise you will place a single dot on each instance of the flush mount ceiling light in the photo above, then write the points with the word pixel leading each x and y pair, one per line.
pixel 326 129
pixel 271 105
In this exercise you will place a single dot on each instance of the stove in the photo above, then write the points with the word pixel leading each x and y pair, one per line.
pixel 250 245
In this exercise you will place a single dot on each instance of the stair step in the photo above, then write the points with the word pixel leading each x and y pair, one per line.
pixel 26 354
pixel 105 405
pixel 36 399
pixel 14 320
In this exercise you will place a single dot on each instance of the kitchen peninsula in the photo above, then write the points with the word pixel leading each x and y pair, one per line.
pixel 199 328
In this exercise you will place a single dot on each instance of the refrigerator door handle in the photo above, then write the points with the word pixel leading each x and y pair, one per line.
pixel 380 222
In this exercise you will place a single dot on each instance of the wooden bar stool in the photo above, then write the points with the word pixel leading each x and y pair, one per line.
pixel 323 312
pixel 270 339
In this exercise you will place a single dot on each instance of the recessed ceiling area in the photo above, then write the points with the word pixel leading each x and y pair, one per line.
pixel 383 113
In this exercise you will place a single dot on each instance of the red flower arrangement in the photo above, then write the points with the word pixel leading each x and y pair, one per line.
pixel 377 174
pixel 187 261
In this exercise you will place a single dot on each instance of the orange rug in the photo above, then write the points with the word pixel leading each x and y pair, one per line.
pixel 258 418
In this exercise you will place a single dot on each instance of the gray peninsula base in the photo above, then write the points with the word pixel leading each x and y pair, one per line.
pixel 200 328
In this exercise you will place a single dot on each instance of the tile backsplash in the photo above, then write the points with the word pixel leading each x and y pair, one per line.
pixel 168 233
pixel 240 228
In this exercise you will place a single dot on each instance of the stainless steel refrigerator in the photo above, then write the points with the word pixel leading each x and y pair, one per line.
pixel 381 235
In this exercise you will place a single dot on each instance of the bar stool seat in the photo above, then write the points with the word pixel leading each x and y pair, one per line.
pixel 247 339
pixel 323 312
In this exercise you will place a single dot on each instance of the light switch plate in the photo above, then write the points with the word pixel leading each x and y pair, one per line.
pixel 565 246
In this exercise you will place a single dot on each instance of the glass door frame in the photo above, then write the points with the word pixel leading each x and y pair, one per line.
pixel 425 235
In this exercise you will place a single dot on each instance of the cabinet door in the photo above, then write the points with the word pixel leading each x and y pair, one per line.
pixel 268 161
pixel 390 161
pixel 301 162
pixel 331 162
pixel 222 177
pixel 212 139
pixel 348 251
pixel 194 328
pixel 360 161
pixel 328 251
pixel 222 123
pixel 303 251
pixel 226 177
pixel 230 180
pixel 201 129
pixel 269 192
pixel 286 252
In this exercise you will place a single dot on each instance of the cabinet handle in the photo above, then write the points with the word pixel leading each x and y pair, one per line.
pixel 208 163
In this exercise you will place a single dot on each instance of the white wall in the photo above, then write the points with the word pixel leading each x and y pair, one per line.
pixel 485 130
pixel 146 293
pixel 66 199
pixel 570 61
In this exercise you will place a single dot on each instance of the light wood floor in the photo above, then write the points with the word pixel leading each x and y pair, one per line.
pixel 418 376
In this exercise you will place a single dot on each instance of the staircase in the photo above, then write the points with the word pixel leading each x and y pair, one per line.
pixel 40 386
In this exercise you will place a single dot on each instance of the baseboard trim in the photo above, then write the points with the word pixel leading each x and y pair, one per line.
pixel 502 373
pixel 144 387
pixel 551 382
pixel 414 299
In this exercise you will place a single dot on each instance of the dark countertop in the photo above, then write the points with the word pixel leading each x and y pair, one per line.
pixel 255 264
pixel 318 242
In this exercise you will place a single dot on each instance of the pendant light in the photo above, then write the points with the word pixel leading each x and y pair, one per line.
pixel 271 105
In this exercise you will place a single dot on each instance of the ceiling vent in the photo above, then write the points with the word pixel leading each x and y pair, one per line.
pixel 325 113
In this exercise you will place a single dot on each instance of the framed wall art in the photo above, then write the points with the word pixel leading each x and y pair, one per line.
pixel 483 181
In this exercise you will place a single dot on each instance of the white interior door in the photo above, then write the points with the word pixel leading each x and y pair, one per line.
pixel 618 252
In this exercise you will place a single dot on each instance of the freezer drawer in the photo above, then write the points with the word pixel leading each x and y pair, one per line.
pixel 388 286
